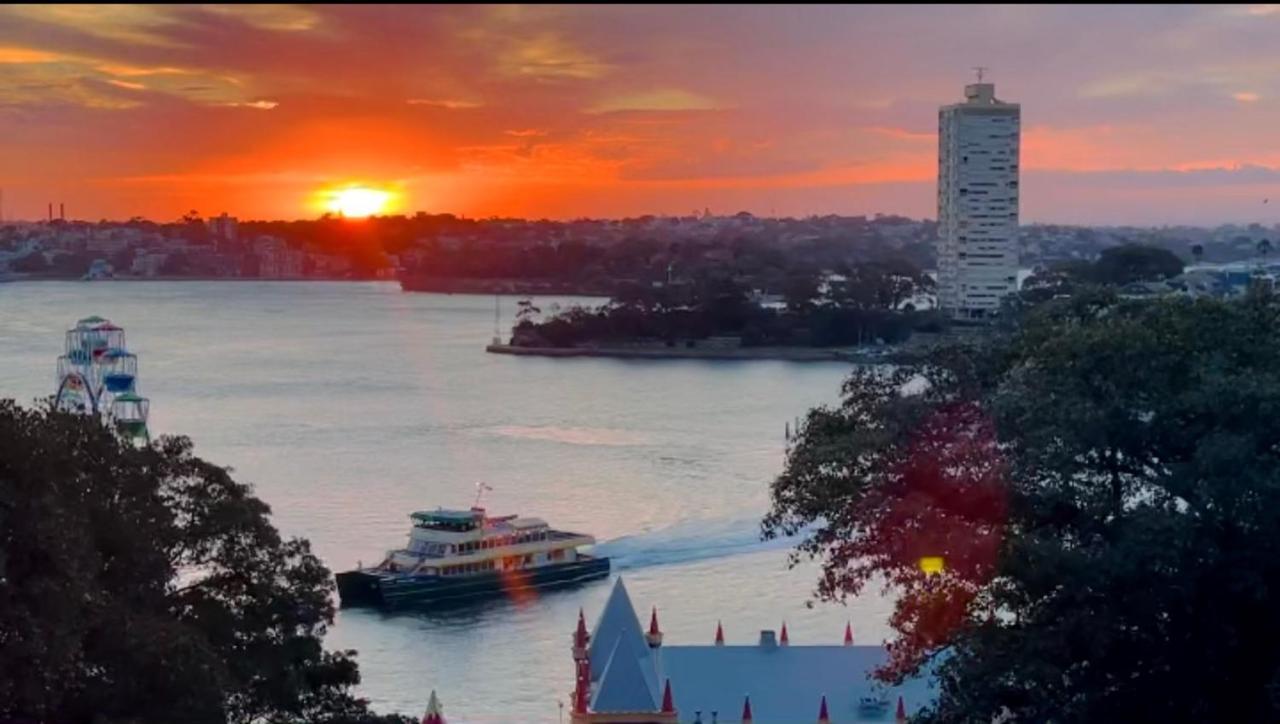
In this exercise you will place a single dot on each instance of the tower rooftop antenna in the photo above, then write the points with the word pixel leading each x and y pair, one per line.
pixel 981 70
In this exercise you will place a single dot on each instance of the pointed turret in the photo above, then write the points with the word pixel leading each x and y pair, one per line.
pixel 668 706
pixel 848 634
pixel 719 634
pixel 617 621
pixel 901 715
pixel 746 710
pixel 823 717
pixel 434 713
pixel 580 637
pixel 654 637
pixel 783 639
pixel 582 666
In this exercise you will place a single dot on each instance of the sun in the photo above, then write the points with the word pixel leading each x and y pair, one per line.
pixel 358 201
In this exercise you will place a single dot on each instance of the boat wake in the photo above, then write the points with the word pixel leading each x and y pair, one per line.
pixel 688 542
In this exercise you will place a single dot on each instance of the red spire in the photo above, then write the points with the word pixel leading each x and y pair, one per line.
pixel 653 623
pixel 667 706
pixel 582 689
pixel 848 634
pixel 746 710
pixel 901 716
pixel 784 640
pixel 580 636
pixel 719 634
pixel 823 717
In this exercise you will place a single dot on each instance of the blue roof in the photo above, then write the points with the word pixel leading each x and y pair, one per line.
pixel 783 680
pixel 617 620
pixel 786 683
pixel 627 683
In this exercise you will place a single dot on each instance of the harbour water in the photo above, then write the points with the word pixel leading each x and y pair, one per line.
pixel 348 405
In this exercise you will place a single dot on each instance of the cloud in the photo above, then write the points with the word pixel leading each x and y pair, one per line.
pixel 139 24
pixel 662 99
pixel 285 18
pixel 1246 97
pixel 550 57
pixel 34 77
pixel 28 55
pixel 126 84
pixel 453 104
pixel 259 105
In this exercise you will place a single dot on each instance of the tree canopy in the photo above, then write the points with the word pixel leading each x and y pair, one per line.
pixel 1098 492
pixel 146 585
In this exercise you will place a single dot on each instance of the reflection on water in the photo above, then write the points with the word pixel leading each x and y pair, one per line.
pixel 571 435
pixel 350 405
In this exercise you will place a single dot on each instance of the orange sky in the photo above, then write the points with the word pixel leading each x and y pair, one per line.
pixel 1131 114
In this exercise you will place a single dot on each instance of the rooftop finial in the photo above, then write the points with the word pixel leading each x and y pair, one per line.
pixel 784 639
pixel 746 710
pixel 848 634
pixel 580 637
pixel 901 714
pixel 719 634
pixel 654 637
pixel 981 70
pixel 668 706
pixel 823 716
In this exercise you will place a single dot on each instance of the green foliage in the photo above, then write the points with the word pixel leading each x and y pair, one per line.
pixel 146 585
pixel 1128 263
pixel 1102 483
pixel 859 309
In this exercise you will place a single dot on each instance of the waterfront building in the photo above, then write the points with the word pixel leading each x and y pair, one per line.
pixel 224 232
pixel 978 143
pixel 625 675
pixel 276 260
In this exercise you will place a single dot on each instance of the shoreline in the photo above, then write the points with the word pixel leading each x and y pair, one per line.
pixel 524 287
pixel 785 354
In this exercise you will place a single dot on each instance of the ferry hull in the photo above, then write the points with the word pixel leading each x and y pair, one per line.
pixel 364 588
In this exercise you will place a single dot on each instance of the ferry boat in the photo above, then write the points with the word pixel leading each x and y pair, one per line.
pixel 455 556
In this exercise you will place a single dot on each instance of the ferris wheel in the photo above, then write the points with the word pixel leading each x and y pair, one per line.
pixel 98 375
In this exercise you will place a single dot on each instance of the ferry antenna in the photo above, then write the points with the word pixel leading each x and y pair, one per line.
pixel 480 488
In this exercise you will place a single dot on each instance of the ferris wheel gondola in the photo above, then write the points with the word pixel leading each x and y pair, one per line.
pixel 98 375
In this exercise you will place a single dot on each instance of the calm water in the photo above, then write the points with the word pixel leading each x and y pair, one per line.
pixel 350 405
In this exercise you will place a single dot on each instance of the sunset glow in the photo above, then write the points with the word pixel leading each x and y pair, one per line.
pixel 607 111
pixel 358 202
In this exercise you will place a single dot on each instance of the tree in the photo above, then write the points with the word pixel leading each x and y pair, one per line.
pixel 145 585
pixel 1128 263
pixel 800 290
pixel 1197 252
pixel 1099 486
pixel 1264 248
pixel 526 311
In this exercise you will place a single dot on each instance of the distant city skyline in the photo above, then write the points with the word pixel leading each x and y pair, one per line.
pixel 1141 115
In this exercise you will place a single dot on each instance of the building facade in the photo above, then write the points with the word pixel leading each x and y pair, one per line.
pixel 625 675
pixel 978 152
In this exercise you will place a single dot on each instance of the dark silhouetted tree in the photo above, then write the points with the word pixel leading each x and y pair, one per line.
pixel 1095 494
pixel 147 586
